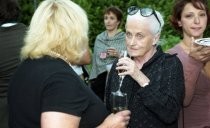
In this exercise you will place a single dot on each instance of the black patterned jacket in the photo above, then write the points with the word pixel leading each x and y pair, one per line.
pixel 158 104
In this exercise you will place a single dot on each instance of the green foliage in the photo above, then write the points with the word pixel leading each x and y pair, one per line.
pixel 27 9
pixel 95 9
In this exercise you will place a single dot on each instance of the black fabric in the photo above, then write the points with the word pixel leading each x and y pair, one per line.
pixel 158 104
pixel 98 85
pixel 49 84
pixel 85 75
pixel 11 41
pixel 4 113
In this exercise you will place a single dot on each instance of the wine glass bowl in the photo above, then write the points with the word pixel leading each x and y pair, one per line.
pixel 119 102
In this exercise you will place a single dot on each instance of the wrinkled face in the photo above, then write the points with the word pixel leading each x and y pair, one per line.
pixel 193 21
pixel 139 39
pixel 111 22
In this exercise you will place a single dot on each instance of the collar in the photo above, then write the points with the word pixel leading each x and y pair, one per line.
pixel 8 24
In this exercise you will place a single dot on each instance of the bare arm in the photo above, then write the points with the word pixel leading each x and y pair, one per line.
pixel 59 120
pixel 63 120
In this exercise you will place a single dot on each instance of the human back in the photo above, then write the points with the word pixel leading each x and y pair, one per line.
pixel 45 91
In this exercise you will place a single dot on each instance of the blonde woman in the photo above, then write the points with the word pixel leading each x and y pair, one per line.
pixel 45 91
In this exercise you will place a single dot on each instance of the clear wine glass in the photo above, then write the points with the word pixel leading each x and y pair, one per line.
pixel 119 98
pixel 122 54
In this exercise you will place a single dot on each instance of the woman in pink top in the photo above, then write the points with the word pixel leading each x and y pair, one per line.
pixel 191 17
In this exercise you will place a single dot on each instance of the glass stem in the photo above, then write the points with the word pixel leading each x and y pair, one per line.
pixel 120 81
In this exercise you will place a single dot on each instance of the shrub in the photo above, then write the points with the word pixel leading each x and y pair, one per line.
pixel 95 8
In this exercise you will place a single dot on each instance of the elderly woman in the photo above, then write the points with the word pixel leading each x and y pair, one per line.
pixel 45 92
pixel 153 80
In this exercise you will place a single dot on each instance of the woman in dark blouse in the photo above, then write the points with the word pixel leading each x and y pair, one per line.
pixel 154 80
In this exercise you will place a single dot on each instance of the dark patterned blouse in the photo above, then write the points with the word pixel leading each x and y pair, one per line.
pixel 158 104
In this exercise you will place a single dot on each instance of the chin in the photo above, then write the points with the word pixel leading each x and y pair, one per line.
pixel 197 35
pixel 136 55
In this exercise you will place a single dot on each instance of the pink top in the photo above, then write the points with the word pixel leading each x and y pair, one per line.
pixel 197 113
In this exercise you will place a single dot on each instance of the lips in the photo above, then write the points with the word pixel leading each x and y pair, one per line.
pixel 196 28
pixel 108 25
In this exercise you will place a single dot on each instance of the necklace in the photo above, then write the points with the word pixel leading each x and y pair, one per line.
pixel 55 54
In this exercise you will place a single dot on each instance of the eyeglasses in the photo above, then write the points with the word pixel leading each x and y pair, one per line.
pixel 145 12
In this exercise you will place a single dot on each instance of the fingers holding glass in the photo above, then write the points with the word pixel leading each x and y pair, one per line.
pixel 112 52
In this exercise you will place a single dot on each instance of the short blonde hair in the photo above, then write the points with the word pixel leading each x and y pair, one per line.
pixel 60 26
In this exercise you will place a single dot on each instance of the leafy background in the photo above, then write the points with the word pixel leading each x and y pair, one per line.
pixel 95 8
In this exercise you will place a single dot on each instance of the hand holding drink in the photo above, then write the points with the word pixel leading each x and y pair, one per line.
pixel 112 52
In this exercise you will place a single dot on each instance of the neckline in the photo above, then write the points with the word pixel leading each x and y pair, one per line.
pixel 113 34
pixel 58 55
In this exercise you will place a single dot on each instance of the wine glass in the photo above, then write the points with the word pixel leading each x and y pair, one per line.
pixel 122 54
pixel 119 99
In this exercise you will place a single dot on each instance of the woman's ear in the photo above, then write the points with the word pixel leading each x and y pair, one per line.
pixel 118 24
pixel 179 23
pixel 155 40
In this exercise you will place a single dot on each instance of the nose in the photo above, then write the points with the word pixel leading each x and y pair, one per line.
pixel 132 41
pixel 106 20
pixel 196 20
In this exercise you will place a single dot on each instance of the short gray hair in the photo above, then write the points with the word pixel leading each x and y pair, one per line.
pixel 154 25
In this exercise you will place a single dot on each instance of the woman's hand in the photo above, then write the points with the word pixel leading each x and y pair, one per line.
pixel 59 120
pixel 118 120
pixel 199 52
pixel 130 68
pixel 112 52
